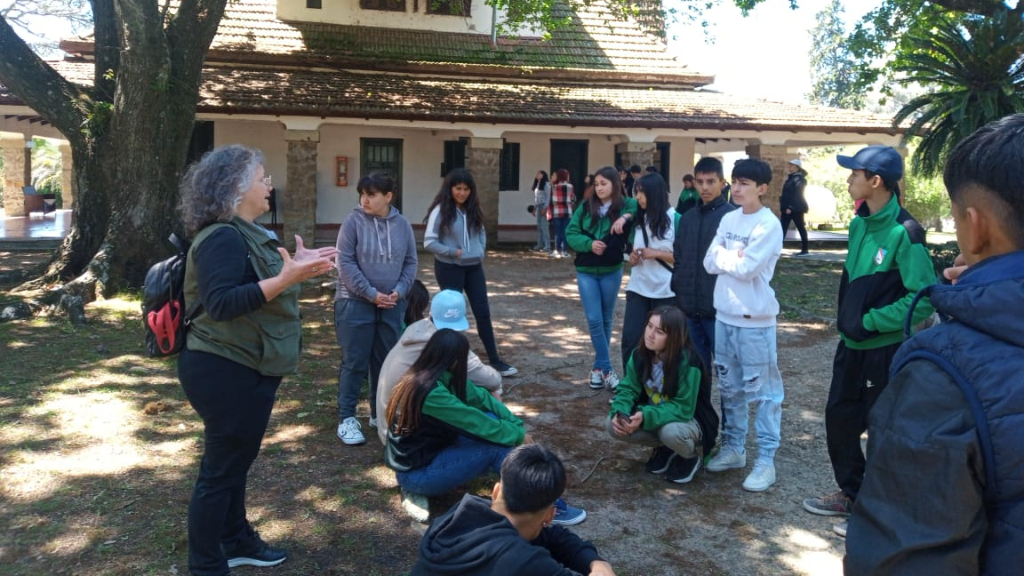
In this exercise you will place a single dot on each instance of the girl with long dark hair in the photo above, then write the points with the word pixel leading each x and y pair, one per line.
pixel 650 275
pixel 541 199
pixel 455 235
pixel 444 431
pixel 598 231
pixel 664 400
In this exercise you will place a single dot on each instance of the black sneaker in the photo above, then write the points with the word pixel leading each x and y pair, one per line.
pixel 660 460
pixel 682 470
pixel 504 369
pixel 259 554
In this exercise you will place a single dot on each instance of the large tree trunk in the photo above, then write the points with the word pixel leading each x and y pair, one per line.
pixel 129 134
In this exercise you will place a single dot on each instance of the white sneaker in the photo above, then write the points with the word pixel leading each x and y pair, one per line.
pixel 611 380
pixel 416 505
pixel 596 379
pixel 351 431
pixel 372 423
pixel 760 478
pixel 727 459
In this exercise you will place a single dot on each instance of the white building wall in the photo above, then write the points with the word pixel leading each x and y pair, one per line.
pixel 348 12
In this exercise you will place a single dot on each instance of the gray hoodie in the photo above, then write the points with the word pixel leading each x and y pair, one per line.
pixel 401 358
pixel 444 245
pixel 375 255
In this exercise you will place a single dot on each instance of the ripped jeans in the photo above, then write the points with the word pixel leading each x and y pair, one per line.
pixel 746 360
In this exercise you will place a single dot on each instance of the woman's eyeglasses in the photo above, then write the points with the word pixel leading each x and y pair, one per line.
pixel 266 181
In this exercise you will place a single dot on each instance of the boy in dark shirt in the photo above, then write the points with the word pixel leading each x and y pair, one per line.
pixel 511 534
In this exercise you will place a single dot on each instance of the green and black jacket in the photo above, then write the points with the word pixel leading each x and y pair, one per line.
pixel 886 266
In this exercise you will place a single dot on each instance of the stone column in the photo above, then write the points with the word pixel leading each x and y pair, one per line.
pixel 67 177
pixel 641 153
pixel 297 204
pixel 15 160
pixel 483 157
pixel 777 157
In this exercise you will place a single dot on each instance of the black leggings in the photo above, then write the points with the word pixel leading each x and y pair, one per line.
pixel 234 402
pixel 471 280
pixel 797 219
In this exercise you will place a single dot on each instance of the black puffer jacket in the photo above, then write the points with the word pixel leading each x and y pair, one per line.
pixel 793 194
pixel 694 287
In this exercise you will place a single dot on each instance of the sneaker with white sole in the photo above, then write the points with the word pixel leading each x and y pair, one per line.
pixel 682 470
pixel 596 379
pixel 727 459
pixel 840 528
pixel 660 459
pixel 372 423
pixel 566 515
pixel 504 369
pixel 760 478
pixel 835 504
pixel 351 431
pixel 416 505
pixel 611 380
pixel 257 553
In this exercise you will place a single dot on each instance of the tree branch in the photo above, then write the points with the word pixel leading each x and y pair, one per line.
pixel 39 85
pixel 981 7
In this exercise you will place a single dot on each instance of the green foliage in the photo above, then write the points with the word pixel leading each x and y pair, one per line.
pixel 46 167
pixel 834 70
pixel 925 198
pixel 974 67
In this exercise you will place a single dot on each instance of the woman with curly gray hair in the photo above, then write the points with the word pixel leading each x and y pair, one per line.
pixel 244 340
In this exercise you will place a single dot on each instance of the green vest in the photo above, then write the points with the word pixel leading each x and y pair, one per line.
pixel 267 340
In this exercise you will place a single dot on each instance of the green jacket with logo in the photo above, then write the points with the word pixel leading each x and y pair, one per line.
pixel 268 339
pixel 886 265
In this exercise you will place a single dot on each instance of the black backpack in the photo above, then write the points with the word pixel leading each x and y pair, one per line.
pixel 164 313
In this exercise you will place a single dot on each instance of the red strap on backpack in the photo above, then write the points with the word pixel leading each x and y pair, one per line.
pixel 165 324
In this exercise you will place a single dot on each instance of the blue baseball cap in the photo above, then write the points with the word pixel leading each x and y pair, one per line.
pixel 448 310
pixel 882 160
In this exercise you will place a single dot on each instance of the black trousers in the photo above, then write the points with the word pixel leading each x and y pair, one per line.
pixel 471 280
pixel 234 402
pixel 801 228
pixel 858 377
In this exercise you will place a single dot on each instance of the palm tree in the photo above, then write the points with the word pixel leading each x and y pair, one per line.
pixel 975 69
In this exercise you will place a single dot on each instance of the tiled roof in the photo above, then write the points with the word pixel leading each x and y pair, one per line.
pixel 383 96
pixel 250 32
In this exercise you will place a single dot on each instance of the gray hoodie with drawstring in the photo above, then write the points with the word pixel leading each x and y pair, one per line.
pixel 375 255
pixel 445 243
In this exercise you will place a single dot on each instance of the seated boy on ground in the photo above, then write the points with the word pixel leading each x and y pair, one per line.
pixel 942 493
pixel 512 533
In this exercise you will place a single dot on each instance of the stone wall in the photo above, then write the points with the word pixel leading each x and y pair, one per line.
pixel 297 204
pixel 15 161
pixel 484 161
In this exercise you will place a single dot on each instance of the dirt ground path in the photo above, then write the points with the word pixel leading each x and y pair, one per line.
pixel 644 524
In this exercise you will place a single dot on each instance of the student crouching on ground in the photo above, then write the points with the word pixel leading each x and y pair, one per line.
pixel 512 533
pixel 444 431
pixel 658 402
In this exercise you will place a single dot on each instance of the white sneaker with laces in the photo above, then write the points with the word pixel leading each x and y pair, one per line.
pixel 727 459
pixel 611 380
pixel 596 379
pixel 351 431
pixel 760 478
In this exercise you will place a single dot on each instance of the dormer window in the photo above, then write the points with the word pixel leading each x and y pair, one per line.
pixel 390 5
pixel 449 7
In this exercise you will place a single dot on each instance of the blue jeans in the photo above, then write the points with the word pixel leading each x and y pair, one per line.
pixel 598 295
pixel 366 334
pixel 543 230
pixel 561 245
pixel 457 464
pixel 746 360
pixel 702 334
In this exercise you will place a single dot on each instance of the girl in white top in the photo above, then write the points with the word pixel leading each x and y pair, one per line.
pixel 650 278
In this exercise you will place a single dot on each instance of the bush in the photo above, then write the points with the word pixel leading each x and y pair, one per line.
pixel 943 256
